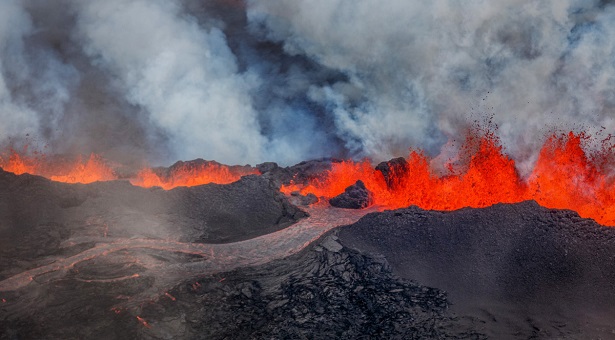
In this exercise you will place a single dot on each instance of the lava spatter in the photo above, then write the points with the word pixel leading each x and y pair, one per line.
pixel 565 176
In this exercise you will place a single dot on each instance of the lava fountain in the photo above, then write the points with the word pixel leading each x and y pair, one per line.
pixel 191 174
pixel 95 168
pixel 565 176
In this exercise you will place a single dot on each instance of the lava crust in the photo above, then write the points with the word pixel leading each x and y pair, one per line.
pixel 517 270
pixel 110 260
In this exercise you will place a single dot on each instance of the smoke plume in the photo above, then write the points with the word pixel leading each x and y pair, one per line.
pixel 285 80
pixel 416 70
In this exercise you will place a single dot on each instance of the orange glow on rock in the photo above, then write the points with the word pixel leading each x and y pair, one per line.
pixel 17 164
pixel 143 322
pixel 173 298
pixel 565 176
pixel 92 170
pixel 95 168
pixel 192 174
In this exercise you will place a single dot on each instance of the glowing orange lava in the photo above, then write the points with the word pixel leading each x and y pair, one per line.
pixel 188 175
pixel 18 164
pixel 143 322
pixel 565 176
pixel 95 168
pixel 79 171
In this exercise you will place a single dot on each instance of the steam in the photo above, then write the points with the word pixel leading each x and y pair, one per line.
pixel 33 82
pixel 185 77
pixel 284 80
pixel 417 69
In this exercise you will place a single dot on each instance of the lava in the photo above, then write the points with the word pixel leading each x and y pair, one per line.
pixel 18 164
pixel 186 174
pixel 93 170
pixel 173 298
pixel 209 258
pixel 565 176
pixel 96 169
pixel 79 171
pixel 143 322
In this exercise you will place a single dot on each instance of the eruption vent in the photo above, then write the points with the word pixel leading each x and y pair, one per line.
pixel 95 169
pixel 149 82
pixel 192 174
pixel 565 177
pixel 78 171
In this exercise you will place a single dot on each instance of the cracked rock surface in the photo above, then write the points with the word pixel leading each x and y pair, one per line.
pixel 113 261
pixel 327 291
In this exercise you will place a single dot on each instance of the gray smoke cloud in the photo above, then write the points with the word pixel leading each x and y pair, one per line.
pixel 283 80
pixel 34 83
pixel 417 69
pixel 184 76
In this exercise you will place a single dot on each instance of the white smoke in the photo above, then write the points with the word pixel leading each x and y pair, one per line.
pixel 287 80
pixel 33 82
pixel 419 68
pixel 183 75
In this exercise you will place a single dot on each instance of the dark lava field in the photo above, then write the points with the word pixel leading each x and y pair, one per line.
pixel 242 261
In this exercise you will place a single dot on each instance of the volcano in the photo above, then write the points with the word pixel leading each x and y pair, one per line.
pixel 243 260
pixel 453 169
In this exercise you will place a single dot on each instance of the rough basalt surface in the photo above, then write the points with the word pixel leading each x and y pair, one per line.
pixel 393 168
pixel 517 270
pixel 325 292
pixel 298 199
pixel 508 271
pixel 356 196
pixel 209 213
pixel 300 173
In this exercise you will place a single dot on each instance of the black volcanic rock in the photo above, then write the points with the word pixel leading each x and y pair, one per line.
pixel 324 292
pixel 209 213
pixel 267 167
pixel 396 166
pixel 201 163
pixel 244 209
pixel 506 271
pixel 42 222
pixel 355 196
pixel 297 198
pixel 299 173
pixel 523 270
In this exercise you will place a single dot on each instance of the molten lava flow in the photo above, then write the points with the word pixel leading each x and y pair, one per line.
pixel 92 170
pixel 17 164
pixel 189 175
pixel 565 177
pixel 95 168
pixel 143 322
